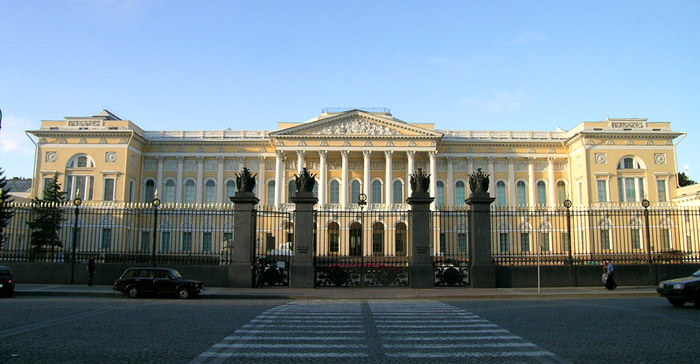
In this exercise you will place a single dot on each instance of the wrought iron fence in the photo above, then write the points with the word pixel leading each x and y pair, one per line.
pixel 450 247
pixel 359 248
pixel 587 236
pixel 274 237
pixel 124 233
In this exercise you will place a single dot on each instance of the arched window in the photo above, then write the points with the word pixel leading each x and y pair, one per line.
pixel 500 194
pixel 561 193
pixel 541 194
pixel 630 185
pixel 397 192
pixel 291 191
pixel 521 194
pixel 83 183
pixel 355 194
pixel 230 190
pixel 333 237
pixel 335 192
pixel 315 190
pixel 400 240
pixel 376 192
pixel 189 192
pixel 270 193
pixel 149 191
pixel 169 191
pixel 459 193
pixel 210 192
pixel 630 162
pixel 378 239
pixel 355 241
pixel 440 194
pixel 80 161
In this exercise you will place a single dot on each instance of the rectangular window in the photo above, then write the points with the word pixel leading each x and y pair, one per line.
pixel 525 242
pixel 47 183
pixel 665 239
pixel 131 191
pixel 605 239
pixel 228 239
pixel 106 239
pixel 503 242
pixel 443 243
pixel 661 190
pixel 636 239
pixel 165 241
pixel 580 192
pixel 145 241
pixel 546 245
pixel 602 190
pixel 564 241
pixel 108 193
pixel 333 236
pixel 206 242
pixel 335 192
pixel 377 243
pixel 541 194
pixel 461 242
pixel 186 241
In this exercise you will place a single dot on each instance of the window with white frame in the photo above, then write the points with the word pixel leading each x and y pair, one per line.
pixel 77 185
pixel 459 193
pixel 521 194
pixel 270 193
pixel 630 189
pixel 189 196
pixel 355 191
pixel 106 239
pixel 500 194
pixel 503 243
pixel 210 191
pixel 661 190
pixel 206 242
pixel 397 191
pixel 525 242
pixel 186 241
pixel 291 190
pixel 545 242
pixel 230 190
pixel 165 241
pixel 541 194
pixel 604 238
pixel 602 186
pixel 169 191
pixel 561 193
pixel 440 194
pixel 108 189
pixel 335 192
pixel 376 192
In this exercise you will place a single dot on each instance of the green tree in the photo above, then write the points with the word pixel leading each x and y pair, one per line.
pixel 684 180
pixel 6 211
pixel 48 216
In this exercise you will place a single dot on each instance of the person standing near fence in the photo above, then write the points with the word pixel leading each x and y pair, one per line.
pixel 91 270
pixel 610 280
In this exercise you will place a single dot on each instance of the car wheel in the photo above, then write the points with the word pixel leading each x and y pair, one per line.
pixel 676 302
pixel 132 292
pixel 183 293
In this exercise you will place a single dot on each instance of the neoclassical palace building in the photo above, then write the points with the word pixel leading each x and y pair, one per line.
pixel 602 163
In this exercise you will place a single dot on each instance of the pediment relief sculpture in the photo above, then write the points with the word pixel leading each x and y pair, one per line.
pixel 355 126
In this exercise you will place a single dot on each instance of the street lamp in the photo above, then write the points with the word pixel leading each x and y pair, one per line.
pixel 155 203
pixel 77 201
pixel 362 202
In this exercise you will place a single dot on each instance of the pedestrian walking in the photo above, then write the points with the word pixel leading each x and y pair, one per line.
pixel 610 279
pixel 91 270
pixel 257 270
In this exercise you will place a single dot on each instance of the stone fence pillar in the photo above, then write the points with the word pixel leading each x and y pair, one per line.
pixel 240 273
pixel 421 271
pixel 302 273
pixel 482 271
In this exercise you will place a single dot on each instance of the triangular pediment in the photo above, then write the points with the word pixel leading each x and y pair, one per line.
pixel 355 123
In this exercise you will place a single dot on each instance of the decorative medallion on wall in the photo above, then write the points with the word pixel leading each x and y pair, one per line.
pixel 433 144
pixel 50 157
pixel 511 150
pixel 110 157
pixel 261 150
pixel 660 158
pixel 601 158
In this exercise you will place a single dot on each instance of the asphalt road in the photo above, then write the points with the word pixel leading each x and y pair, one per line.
pixel 104 330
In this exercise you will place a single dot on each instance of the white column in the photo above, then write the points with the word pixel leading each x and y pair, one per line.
pixel 323 179
pixel 344 180
pixel 178 187
pixel 365 168
pixel 450 199
pixel 200 176
pixel 387 178
pixel 159 175
pixel 552 185
pixel 220 187
pixel 511 182
pixel 278 176
pixel 433 176
pixel 410 155
pixel 492 178
pixel 470 165
pixel 261 180
pixel 532 197
pixel 300 161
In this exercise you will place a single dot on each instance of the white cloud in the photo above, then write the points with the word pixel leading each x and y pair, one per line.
pixel 16 150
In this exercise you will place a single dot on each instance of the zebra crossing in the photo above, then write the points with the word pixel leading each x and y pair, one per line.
pixel 372 331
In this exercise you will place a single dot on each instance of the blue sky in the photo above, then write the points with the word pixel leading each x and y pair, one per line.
pixel 488 65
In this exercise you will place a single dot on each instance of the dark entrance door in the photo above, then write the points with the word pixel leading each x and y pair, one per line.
pixel 355 239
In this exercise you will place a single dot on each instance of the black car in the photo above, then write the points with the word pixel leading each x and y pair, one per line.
pixel 137 281
pixel 7 284
pixel 681 290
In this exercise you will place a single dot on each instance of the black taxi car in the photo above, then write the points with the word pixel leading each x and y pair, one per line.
pixel 681 290
pixel 135 282
pixel 7 285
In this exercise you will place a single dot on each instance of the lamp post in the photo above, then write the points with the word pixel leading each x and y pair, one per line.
pixel 645 204
pixel 567 204
pixel 77 201
pixel 155 203
pixel 2 201
pixel 362 201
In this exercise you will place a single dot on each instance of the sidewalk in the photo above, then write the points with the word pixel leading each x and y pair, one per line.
pixel 22 290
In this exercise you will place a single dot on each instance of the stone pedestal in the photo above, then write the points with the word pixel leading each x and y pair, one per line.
pixel 421 271
pixel 302 272
pixel 240 273
pixel 482 272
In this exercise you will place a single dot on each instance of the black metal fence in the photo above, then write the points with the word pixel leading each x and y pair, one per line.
pixel 129 233
pixel 587 236
pixel 356 248
pixel 274 248
pixel 450 247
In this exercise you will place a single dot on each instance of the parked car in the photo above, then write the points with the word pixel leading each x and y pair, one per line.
pixel 135 282
pixel 681 290
pixel 7 284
